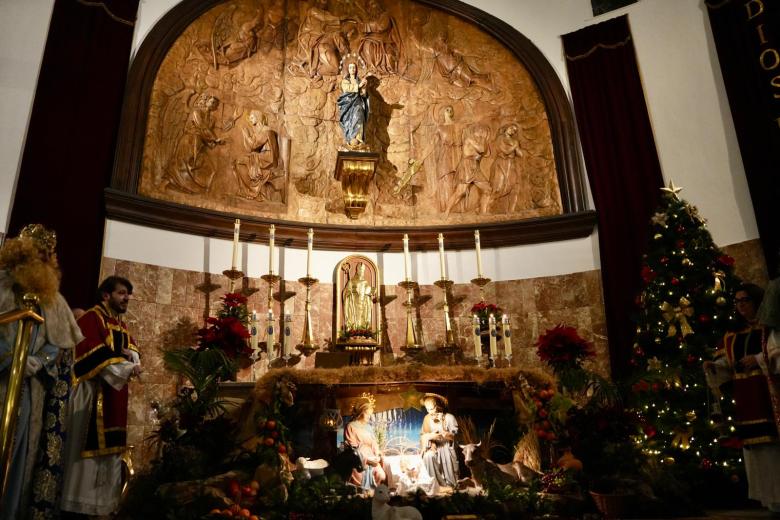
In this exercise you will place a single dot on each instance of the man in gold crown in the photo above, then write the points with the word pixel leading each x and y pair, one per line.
pixel 28 265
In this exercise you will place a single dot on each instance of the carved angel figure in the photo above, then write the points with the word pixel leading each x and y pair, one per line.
pixel 190 170
pixel 380 44
pixel 505 173
pixel 255 175
pixel 320 42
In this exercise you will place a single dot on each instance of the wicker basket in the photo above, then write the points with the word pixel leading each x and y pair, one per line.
pixel 611 505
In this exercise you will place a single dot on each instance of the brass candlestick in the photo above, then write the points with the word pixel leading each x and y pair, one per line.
pixel 233 274
pixel 271 279
pixel 449 337
pixel 307 345
pixel 481 282
pixel 412 345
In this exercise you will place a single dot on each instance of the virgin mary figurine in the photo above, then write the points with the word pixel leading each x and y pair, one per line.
pixel 353 107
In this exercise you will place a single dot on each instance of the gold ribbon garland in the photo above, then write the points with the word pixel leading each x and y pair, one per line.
pixel 682 438
pixel 679 315
pixel 720 281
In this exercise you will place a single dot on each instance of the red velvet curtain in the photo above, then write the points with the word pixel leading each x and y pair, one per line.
pixel 69 152
pixel 622 163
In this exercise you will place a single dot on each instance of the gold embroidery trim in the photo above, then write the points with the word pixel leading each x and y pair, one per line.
pixel 92 373
pixel 597 47
pixel 101 434
pixel 108 12
pixel 716 6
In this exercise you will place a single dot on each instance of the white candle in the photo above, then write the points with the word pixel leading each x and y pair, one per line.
pixel 270 336
pixel 236 227
pixel 287 348
pixel 479 254
pixel 271 250
pixel 406 257
pixel 309 245
pixel 477 338
pixel 441 257
pixel 493 346
pixel 253 331
pixel 507 336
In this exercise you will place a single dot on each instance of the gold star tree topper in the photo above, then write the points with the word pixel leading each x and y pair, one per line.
pixel 671 190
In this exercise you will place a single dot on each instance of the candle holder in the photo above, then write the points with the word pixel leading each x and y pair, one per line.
pixel 481 282
pixel 307 346
pixel 412 345
pixel 271 279
pixel 233 274
pixel 449 337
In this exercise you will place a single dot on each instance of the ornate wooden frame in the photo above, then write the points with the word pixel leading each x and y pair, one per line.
pixel 125 204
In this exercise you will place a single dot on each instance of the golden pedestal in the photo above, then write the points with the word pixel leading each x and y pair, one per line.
pixel 355 170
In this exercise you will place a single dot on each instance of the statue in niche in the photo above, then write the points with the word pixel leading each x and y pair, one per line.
pixel 452 65
pixel 321 42
pixel 358 300
pixel 353 107
pixel 473 190
pixel 255 174
pixel 380 45
pixel 505 173
pixel 229 46
pixel 190 169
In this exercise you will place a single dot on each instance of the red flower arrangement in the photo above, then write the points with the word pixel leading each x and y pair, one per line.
pixel 356 333
pixel 562 348
pixel 484 310
pixel 228 330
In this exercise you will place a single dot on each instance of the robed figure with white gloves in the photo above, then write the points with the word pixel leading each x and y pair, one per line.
pixel 104 363
pixel 28 264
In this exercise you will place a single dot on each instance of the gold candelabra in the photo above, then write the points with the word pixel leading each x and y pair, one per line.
pixel 233 274
pixel 307 345
pixel 449 345
pixel 413 345
pixel 270 279
pixel 481 282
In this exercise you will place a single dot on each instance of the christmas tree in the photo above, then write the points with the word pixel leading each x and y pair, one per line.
pixel 685 307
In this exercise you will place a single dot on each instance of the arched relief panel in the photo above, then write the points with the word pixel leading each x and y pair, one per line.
pixel 236 109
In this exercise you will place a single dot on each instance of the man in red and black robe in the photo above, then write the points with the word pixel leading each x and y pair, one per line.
pixel 104 363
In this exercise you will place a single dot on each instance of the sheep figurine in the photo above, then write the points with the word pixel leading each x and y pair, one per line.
pixel 381 510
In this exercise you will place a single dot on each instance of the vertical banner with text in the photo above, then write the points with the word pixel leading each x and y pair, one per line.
pixel 747 38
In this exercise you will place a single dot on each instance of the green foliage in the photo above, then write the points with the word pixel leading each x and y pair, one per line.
pixel 685 307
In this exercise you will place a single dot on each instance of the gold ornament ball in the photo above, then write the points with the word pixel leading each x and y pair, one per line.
pixel 658 236
pixel 691 416
pixel 720 300
pixel 668 461
pixel 658 340
pixel 686 262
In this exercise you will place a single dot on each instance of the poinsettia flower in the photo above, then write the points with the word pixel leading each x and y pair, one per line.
pixel 726 260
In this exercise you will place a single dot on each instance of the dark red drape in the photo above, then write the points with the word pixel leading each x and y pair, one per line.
pixel 68 155
pixel 747 38
pixel 622 163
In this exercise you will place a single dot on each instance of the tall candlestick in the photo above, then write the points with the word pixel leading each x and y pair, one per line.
pixel 253 331
pixel 441 257
pixel 477 339
pixel 479 254
pixel 271 250
pixel 270 335
pixel 406 257
pixel 286 346
pixel 236 227
pixel 507 336
pixel 310 245
pixel 493 346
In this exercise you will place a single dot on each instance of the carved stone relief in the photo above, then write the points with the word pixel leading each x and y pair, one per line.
pixel 243 116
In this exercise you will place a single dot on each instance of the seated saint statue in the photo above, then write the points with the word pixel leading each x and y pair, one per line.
pixel 438 441
pixel 358 300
